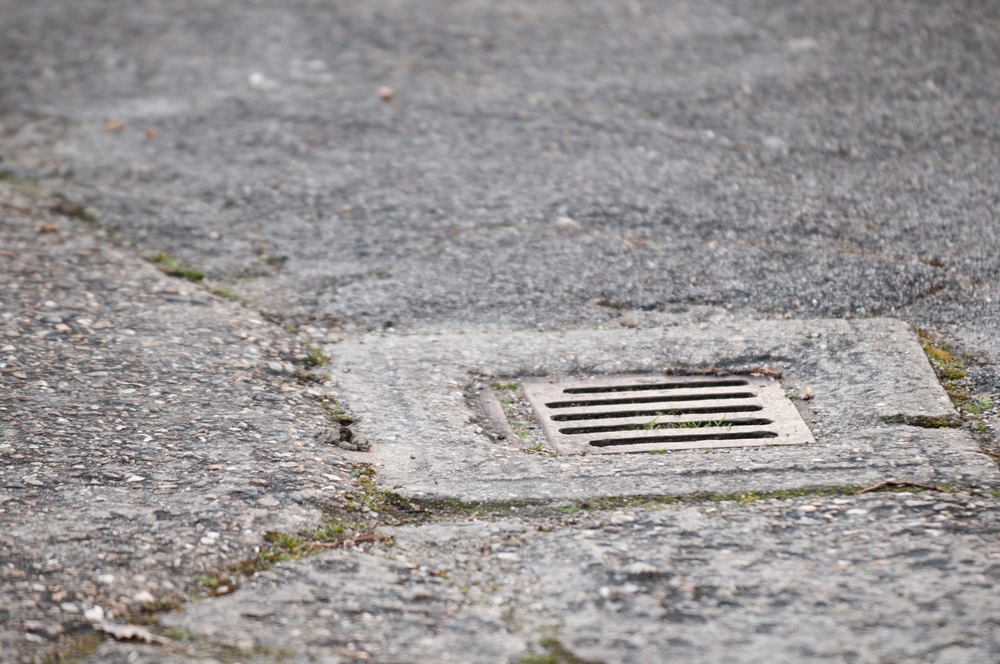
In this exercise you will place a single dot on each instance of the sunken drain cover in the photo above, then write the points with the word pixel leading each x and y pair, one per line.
pixel 649 413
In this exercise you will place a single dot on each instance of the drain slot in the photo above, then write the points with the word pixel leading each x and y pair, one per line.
pixel 683 439
pixel 695 412
pixel 656 426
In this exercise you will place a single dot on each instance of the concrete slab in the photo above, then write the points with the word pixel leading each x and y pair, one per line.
pixel 871 578
pixel 410 396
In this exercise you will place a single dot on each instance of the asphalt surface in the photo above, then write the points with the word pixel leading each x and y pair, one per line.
pixel 441 167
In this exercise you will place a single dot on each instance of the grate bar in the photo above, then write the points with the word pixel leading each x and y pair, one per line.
pixel 651 396
pixel 686 384
pixel 663 408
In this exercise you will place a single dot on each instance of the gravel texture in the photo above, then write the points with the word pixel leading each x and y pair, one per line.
pixel 497 174
pixel 143 440
pixel 871 578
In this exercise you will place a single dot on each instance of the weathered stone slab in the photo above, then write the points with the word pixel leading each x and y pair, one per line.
pixel 409 395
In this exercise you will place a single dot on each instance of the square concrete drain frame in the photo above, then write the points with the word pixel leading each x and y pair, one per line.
pixel 408 393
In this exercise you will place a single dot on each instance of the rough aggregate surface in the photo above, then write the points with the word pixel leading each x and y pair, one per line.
pixel 143 441
pixel 374 173
pixel 871 578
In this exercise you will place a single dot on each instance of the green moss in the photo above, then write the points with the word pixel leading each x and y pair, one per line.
pixel 76 649
pixel 27 187
pixel 975 405
pixel 162 604
pixel 951 370
pixel 171 267
pixel 946 364
pixel 554 652
pixel 335 412
pixel 923 422
pixel 178 634
pixel 214 585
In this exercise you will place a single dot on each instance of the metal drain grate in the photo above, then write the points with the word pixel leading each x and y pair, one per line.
pixel 649 413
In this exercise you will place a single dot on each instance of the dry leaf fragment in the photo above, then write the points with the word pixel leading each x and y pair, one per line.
pixel 48 228
pixel 150 133
pixel 114 125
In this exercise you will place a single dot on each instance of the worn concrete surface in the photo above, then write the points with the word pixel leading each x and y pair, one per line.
pixel 414 395
pixel 873 578
pixel 144 441
pixel 540 171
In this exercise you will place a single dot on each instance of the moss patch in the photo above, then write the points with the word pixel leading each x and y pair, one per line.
pixel 951 369
pixel 173 268
pixel 552 651
pixel 924 422
pixel 76 649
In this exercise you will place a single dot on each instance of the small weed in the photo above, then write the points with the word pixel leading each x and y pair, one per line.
pixel 655 424
pixel 791 394
pixel 224 292
pixel 316 357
